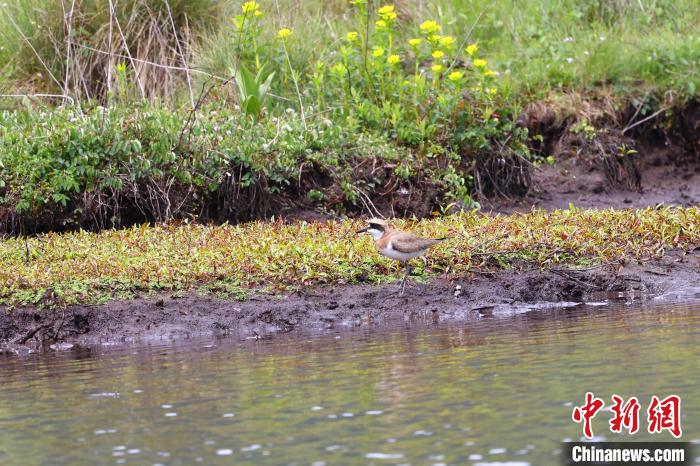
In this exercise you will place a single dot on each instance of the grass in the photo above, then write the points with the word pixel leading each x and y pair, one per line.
pixel 38 55
pixel 347 120
pixel 539 45
pixel 82 267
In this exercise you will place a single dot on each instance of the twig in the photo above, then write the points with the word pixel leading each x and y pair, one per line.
pixel 170 67
pixel 69 32
pixel 182 54
pixel 639 108
pixel 109 63
pixel 148 62
pixel 464 42
pixel 661 110
pixel 369 205
pixel 126 48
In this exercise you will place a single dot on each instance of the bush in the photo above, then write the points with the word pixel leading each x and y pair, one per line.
pixel 404 124
pixel 61 170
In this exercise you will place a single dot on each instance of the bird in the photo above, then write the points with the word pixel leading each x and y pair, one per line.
pixel 398 245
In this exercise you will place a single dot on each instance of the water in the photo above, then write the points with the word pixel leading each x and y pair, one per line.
pixel 499 390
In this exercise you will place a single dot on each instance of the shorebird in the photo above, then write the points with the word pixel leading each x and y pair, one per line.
pixel 398 245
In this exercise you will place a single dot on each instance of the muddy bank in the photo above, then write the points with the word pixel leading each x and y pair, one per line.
pixel 609 155
pixel 583 183
pixel 323 308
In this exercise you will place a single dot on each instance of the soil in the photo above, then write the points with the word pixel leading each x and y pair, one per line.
pixel 582 182
pixel 475 297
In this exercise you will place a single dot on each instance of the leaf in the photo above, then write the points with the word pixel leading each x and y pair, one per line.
pixel 265 87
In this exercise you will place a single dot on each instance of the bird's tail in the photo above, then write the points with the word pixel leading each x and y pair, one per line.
pixel 442 239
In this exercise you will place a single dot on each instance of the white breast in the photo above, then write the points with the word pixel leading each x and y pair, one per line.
pixel 389 251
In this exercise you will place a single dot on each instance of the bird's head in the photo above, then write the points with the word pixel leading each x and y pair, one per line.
pixel 375 227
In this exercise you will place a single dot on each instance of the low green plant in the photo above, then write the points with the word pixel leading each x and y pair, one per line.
pixel 430 93
pixel 64 169
pixel 83 267
pixel 253 89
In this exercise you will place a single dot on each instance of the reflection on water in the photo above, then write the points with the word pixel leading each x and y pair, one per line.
pixel 496 390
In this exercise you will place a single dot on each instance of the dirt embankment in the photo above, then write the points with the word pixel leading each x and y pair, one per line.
pixel 583 183
pixel 606 157
pixel 479 296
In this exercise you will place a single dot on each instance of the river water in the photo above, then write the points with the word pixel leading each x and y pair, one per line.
pixel 496 391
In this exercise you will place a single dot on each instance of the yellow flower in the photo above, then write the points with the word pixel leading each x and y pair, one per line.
pixel 393 59
pixel 405 82
pixel 479 63
pixel 429 27
pixel 284 33
pixel 377 51
pixel 351 36
pixel 455 76
pixel 438 54
pixel 447 41
pixel 436 68
pixel 358 2
pixel 387 12
pixel 434 38
pixel 414 42
pixel 249 7
pixel 489 73
pixel 380 23
pixel 258 13
pixel 472 48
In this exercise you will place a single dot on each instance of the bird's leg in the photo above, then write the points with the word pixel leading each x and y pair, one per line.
pixel 405 277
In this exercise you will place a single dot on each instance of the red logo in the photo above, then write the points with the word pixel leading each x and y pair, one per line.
pixel 587 412
pixel 626 416
pixel 661 415
pixel 665 415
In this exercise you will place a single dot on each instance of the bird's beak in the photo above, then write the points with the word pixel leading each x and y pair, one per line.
pixel 362 231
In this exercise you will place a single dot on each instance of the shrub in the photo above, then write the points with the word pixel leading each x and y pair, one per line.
pixel 118 166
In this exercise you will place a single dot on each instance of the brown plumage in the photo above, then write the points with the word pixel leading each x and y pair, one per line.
pixel 408 242
pixel 398 245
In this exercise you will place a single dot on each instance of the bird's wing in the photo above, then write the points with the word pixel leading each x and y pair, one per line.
pixel 408 242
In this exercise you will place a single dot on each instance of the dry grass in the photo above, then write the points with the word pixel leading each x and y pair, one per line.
pixel 75 47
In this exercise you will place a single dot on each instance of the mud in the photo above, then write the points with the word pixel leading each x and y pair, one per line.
pixel 615 163
pixel 324 308
pixel 582 182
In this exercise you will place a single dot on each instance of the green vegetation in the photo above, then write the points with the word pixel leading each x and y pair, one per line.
pixel 84 267
pixel 110 167
pixel 537 45
pixel 328 105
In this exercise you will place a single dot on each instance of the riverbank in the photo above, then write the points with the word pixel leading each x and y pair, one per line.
pixel 175 281
pixel 329 308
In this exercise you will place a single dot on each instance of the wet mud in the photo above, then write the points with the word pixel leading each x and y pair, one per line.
pixel 482 295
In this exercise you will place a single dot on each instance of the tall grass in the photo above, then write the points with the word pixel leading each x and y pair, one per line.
pixel 538 45
pixel 75 47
